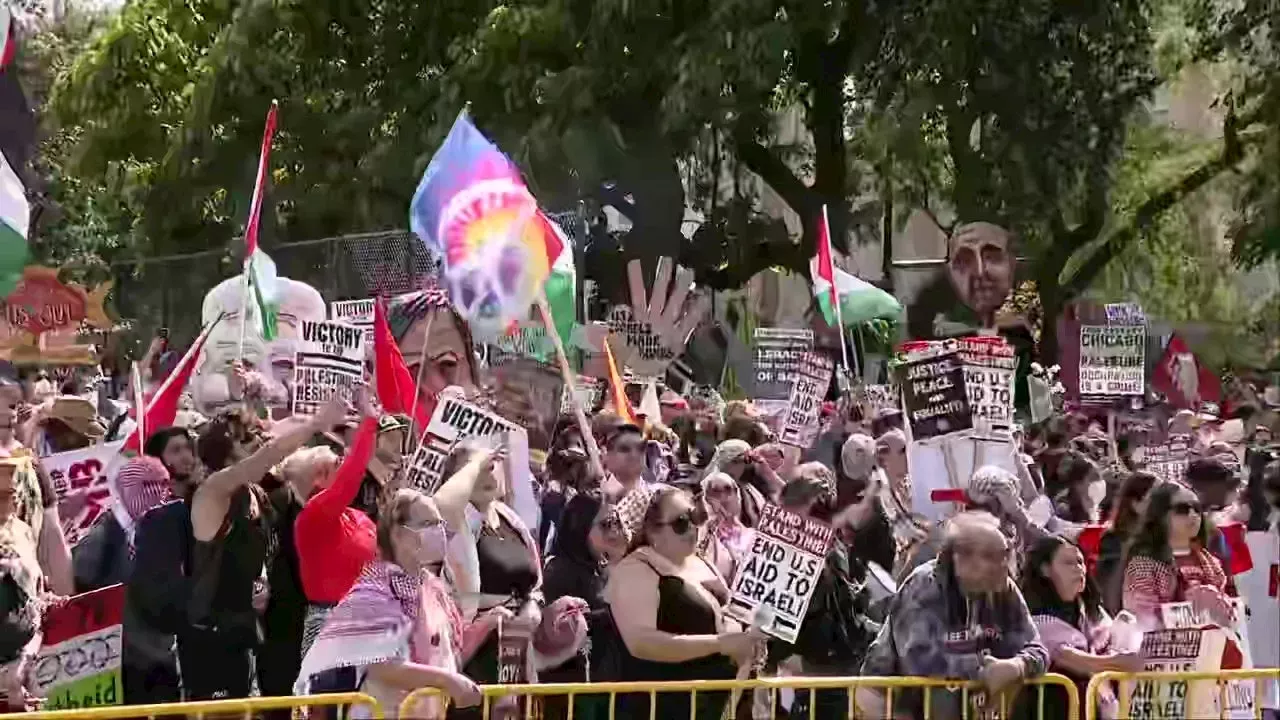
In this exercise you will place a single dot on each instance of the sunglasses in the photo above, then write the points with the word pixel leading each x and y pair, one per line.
pixel 610 525
pixel 682 523
pixel 1186 508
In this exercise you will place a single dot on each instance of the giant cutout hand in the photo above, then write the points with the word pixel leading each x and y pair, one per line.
pixel 650 333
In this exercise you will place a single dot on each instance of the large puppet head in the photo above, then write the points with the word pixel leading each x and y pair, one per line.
pixel 274 360
pixel 427 319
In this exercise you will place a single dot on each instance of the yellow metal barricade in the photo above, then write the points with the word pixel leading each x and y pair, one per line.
pixel 246 708
pixel 526 701
pixel 1123 682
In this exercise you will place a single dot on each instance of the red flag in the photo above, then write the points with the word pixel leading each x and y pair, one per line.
pixel 162 406
pixel 392 380
pixel 827 268
pixel 8 46
pixel 1183 380
pixel 259 184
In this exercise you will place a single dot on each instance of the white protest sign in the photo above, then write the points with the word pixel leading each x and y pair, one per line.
pixel 78 664
pixel 990 367
pixel 1259 588
pixel 1168 461
pixel 330 356
pixel 455 419
pixel 588 392
pixel 1235 654
pixel 354 312
pixel 1112 359
pixel 82 481
pixel 804 409
pixel 780 570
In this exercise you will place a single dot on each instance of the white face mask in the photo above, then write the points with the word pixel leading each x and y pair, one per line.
pixel 433 544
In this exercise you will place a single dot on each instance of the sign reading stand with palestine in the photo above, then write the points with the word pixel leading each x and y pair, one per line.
pixel 780 571
pixel 934 397
pixel 330 357
pixel 354 312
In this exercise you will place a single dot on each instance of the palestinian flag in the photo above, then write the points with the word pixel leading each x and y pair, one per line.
pixel 843 298
pixel 561 285
pixel 15 219
pixel 259 269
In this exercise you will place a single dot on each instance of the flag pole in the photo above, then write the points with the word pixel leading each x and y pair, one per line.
pixel 835 291
pixel 588 439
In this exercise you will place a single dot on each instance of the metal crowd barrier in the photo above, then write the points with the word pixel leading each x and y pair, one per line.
pixel 246 708
pixel 529 702
pixel 1124 681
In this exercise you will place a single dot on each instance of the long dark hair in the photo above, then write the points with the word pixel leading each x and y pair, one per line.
pixel 1151 537
pixel 1038 590
pixel 571 540
pixel 1135 486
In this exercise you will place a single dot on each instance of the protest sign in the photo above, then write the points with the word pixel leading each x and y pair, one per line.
pixel 528 339
pixel 354 312
pixel 990 367
pixel 1168 461
pixel 882 397
pixel 529 394
pixel 934 398
pixel 1125 314
pixel 1259 588
pixel 804 407
pixel 1112 359
pixel 513 658
pixel 588 393
pixel 779 355
pixel 82 481
pixel 780 571
pixel 78 665
pixel 330 357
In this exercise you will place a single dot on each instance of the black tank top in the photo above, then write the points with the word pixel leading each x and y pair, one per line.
pixel 225 569
pixel 506 565
pixel 682 610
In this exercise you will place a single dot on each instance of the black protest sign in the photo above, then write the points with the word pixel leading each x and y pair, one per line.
pixel 646 348
pixel 934 396
pixel 779 355
pixel 804 410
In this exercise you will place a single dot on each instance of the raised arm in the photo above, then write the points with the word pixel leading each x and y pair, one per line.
pixel 212 497
pixel 330 502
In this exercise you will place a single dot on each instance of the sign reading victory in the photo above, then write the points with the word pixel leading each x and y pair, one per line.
pixel 330 357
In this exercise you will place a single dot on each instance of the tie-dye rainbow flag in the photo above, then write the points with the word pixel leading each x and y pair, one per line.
pixel 475 213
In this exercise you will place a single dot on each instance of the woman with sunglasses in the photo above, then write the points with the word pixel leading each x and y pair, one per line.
pixel 1130 504
pixel 665 602
pixel 1167 560
pixel 399 626
pixel 1074 627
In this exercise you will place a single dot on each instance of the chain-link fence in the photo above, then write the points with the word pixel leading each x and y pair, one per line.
pixel 169 291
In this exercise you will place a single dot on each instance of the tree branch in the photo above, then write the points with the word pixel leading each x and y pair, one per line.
pixel 774 173
pixel 1232 152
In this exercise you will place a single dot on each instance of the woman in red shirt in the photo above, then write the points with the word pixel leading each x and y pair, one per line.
pixel 334 540
pixel 1167 560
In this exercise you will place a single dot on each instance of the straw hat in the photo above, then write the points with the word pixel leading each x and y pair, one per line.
pixel 76 413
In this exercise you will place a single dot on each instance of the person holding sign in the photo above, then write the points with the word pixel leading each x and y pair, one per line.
pixel 960 616
pixel 1168 560
pixel 1074 627
pixel 666 603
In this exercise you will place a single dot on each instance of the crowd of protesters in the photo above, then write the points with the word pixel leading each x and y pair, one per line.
pixel 286 557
